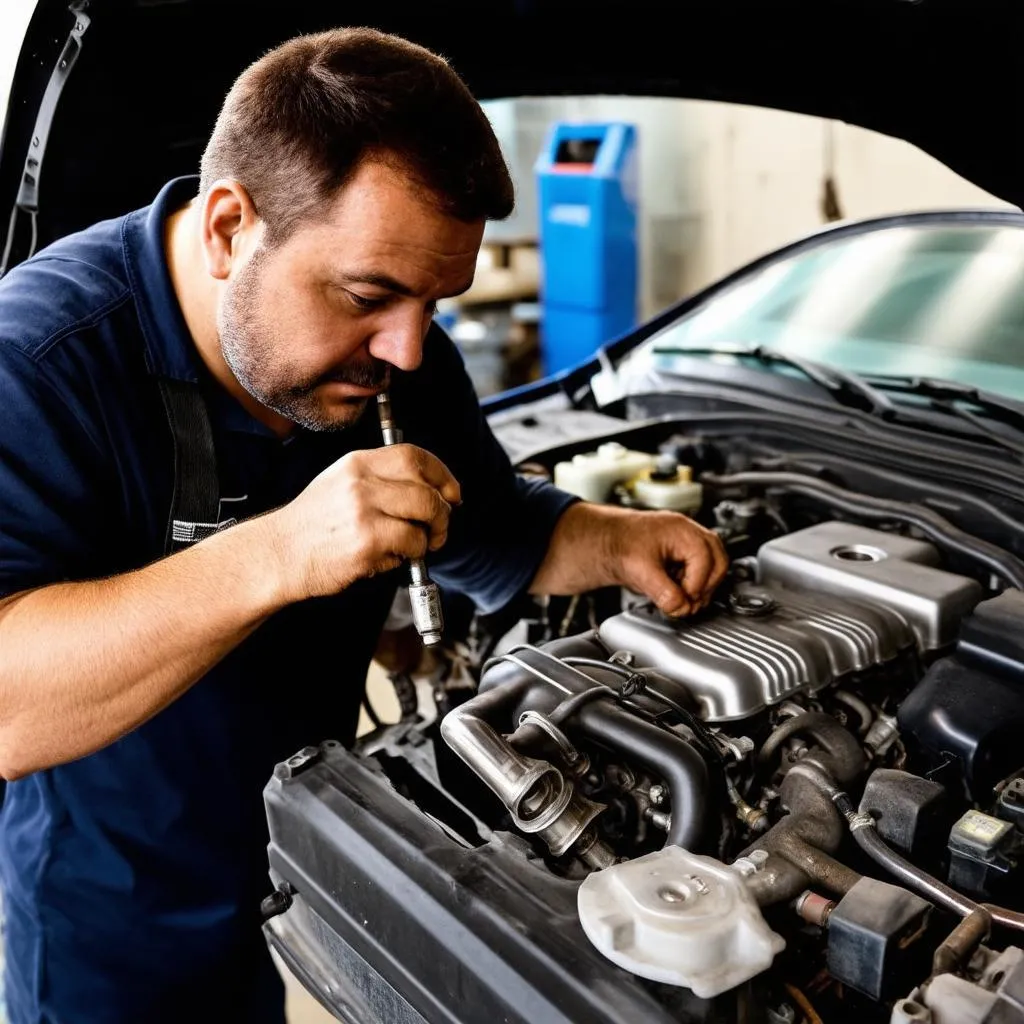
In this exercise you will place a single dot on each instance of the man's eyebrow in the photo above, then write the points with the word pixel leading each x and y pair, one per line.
pixel 378 281
pixel 390 284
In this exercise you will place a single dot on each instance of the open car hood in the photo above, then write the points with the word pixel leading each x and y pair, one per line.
pixel 146 77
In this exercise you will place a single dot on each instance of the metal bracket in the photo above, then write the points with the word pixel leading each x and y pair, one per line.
pixel 28 192
pixel 27 200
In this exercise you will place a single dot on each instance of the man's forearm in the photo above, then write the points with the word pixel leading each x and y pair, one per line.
pixel 81 664
pixel 581 554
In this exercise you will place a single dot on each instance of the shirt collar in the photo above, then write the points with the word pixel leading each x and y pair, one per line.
pixel 170 349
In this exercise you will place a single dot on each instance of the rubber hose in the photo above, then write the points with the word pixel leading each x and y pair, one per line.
pixel 868 839
pixel 931 524
pixel 663 752
pixel 571 706
pixel 913 877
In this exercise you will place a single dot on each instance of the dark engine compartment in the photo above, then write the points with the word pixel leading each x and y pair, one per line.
pixel 806 803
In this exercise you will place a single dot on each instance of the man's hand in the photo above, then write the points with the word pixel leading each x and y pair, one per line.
pixel 674 561
pixel 83 663
pixel 365 514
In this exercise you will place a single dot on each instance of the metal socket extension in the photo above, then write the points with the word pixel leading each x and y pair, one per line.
pixel 425 599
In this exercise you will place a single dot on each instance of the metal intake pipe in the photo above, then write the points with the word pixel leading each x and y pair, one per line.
pixel 532 790
pixel 531 678
pixel 536 794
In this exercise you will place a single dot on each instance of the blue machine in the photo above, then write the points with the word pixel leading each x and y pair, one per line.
pixel 587 185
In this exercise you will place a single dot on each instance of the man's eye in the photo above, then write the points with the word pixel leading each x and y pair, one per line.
pixel 363 302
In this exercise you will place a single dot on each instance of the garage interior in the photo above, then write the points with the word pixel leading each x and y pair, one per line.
pixel 798 331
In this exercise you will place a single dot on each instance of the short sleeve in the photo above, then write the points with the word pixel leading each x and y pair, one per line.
pixel 498 537
pixel 53 478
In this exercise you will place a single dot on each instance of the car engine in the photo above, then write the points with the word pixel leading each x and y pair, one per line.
pixel 804 803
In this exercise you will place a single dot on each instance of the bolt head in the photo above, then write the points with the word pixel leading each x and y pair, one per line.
pixel 276 903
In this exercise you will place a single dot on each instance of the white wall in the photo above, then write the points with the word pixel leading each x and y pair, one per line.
pixel 760 177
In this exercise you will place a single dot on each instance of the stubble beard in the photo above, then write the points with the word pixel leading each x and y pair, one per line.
pixel 248 347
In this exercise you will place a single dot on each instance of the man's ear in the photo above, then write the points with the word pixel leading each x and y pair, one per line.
pixel 229 226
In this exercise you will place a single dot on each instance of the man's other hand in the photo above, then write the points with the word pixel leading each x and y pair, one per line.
pixel 671 559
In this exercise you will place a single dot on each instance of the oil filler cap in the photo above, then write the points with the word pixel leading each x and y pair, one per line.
pixel 678 918
pixel 751 602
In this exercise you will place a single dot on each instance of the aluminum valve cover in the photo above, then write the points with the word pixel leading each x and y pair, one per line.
pixel 831 600
pixel 770 644
pixel 875 568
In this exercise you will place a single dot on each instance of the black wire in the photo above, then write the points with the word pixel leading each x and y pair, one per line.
pixel 405 691
pixel 700 730
pixel 370 713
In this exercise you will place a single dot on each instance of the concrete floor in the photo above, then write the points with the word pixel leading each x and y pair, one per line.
pixel 301 1007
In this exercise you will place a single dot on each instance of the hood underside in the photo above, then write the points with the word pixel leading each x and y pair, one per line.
pixel 942 74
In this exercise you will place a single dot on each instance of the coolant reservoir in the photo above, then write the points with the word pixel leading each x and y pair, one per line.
pixel 593 475
pixel 667 485
pixel 678 918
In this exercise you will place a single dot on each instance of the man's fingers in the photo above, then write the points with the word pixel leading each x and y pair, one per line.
pixel 653 579
pixel 671 599
pixel 401 539
pixel 406 461
pixel 413 501
pixel 697 567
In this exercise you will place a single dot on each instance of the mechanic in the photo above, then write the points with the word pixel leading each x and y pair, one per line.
pixel 200 530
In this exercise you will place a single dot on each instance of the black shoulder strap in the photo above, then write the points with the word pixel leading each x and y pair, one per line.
pixel 195 505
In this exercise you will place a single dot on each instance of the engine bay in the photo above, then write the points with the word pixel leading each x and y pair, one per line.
pixel 804 803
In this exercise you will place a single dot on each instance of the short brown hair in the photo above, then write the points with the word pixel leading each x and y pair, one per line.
pixel 298 122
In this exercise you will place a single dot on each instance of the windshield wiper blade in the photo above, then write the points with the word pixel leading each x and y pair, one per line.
pixel 998 406
pixel 945 395
pixel 867 390
pixel 842 386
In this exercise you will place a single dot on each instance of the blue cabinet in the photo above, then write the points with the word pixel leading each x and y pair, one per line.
pixel 587 188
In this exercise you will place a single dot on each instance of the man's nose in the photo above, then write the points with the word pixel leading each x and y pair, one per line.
pixel 399 339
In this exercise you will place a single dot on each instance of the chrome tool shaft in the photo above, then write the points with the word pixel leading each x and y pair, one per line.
pixel 423 593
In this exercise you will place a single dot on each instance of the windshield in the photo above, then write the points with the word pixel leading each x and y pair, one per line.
pixel 927 300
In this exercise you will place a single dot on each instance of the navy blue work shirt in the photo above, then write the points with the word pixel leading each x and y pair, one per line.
pixel 132 877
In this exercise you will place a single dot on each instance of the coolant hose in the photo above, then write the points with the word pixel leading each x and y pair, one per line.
pixel 862 827
pixel 936 528
pixel 845 757
pixel 669 755
pixel 801 843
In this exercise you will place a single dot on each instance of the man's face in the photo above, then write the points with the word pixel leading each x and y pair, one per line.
pixel 312 327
